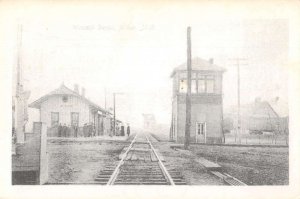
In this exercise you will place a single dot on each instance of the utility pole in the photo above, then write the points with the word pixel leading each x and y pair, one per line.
pixel 114 113
pixel 19 90
pixel 188 93
pixel 114 95
pixel 238 63
pixel 105 98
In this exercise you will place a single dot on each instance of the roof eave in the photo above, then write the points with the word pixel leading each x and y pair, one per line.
pixel 34 106
pixel 193 70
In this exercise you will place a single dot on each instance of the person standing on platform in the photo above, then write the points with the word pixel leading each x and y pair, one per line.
pixel 75 131
pixel 128 130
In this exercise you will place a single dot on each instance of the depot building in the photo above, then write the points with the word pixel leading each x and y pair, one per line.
pixel 68 108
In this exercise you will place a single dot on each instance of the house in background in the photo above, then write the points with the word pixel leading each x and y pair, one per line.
pixel 149 121
pixel 66 107
pixel 260 116
pixel 206 102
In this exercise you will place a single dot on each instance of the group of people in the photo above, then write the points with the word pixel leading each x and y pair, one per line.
pixel 67 131
pixel 88 130
pixel 62 130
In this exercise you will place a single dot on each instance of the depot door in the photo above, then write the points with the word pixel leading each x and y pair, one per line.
pixel 201 132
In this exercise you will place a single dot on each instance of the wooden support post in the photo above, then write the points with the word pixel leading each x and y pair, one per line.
pixel 43 177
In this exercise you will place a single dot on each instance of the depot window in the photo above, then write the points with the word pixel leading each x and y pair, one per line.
pixel 54 118
pixel 74 119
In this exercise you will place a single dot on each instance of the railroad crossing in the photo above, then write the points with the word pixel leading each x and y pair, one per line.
pixel 140 164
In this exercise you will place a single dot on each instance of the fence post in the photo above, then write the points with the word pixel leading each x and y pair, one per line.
pixel 43 178
pixel 235 136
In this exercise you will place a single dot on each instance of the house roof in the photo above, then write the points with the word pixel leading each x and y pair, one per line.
pixel 256 109
pixel 280 107
pixel 63 90
pixel 199 64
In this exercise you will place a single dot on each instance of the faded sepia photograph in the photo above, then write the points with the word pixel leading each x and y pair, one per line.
pixel 141 94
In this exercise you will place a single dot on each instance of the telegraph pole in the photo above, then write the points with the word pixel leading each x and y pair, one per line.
pixel 188 93
pixel 239 100
pixel 18 86
pixel 238 63
pixel 19 90
pixel 114 113
pixel 114 95
pixel 105 98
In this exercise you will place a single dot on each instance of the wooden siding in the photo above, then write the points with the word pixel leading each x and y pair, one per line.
pixel 211 114
pixel 201 99
pixel 107 125
pixel 56 104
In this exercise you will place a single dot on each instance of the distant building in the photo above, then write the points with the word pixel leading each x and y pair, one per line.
pixel 261 115
pixel 149 121
pixel 64 106
pixel 207 102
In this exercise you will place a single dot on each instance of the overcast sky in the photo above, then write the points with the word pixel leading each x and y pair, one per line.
pixel 134 49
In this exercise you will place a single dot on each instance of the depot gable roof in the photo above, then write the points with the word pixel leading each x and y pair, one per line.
pixel 63 90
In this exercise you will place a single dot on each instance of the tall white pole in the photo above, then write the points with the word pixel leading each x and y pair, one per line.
pixel 237 60
pixel 239 101
pixel 19 90
pixel 114 113
pixel 105 98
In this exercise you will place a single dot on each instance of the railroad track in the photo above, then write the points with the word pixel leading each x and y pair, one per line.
pixel 140 164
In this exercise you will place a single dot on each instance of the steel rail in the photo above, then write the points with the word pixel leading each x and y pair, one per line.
pixel 161 165
pixel 117 169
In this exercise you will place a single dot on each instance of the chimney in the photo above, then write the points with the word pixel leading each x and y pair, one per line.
pixel 76 88
pixel 83 92
pixel 211 60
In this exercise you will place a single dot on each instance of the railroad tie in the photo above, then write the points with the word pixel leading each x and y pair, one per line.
pixel 161 157
pixel 129 155
pixel 147 157
pixel 153 157
pixel 133 157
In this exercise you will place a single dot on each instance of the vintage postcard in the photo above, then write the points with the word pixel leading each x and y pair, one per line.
pixel 151 99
